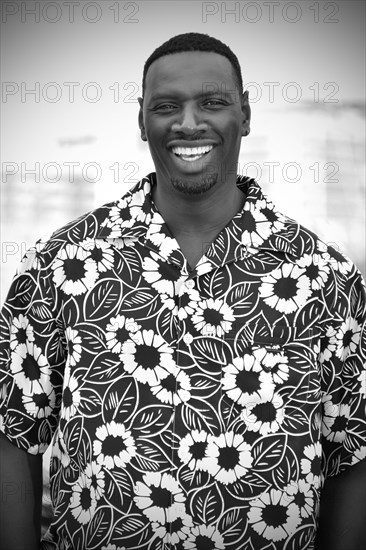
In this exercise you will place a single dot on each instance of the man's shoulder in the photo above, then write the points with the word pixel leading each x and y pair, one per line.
pixel 84 226
pixel 74 232
pixel 286 233
pixel 90 224
pixel 309 247
pixel 79 232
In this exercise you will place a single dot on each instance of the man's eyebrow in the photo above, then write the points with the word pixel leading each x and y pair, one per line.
pixel 207 93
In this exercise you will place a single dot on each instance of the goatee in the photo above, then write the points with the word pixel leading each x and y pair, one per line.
pixel 194 187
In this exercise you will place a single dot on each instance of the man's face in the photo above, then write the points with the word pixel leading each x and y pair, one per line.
pixel 191 100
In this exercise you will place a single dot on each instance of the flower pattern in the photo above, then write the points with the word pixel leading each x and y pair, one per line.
pixel 173 387
pixel 192 449
pixel 70 395
pixel 311 463
pixel 335 420
pixel 213 317
pixel 158 495
pixel 286 289
pixel 186 409
pixel 264 416
pixel 316 270
pixel 147 357
pixel 83 502
pixel 245 381
pixel 228 457
pixel 302 495
pixel 348 338
pixel 176 529
pixel 101 252
pixel 21 332
pixel 73 345
pixel 30 368
pixel 204 537
pixel 114 446
pixel 118 330
pixel 39 403
pixel 273 516
pixel 74 271
pixel 329 344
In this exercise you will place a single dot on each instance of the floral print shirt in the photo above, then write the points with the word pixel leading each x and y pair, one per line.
pixel 187 409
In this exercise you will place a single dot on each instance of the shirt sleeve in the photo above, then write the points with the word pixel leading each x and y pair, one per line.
pixel 32 355
pixel 343 368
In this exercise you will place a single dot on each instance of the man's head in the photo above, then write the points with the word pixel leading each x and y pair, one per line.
pixel 193 113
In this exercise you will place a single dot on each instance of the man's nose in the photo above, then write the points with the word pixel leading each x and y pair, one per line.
pixel 189 121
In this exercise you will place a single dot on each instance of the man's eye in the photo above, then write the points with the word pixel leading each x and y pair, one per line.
pixel 165 107
pixel 214 102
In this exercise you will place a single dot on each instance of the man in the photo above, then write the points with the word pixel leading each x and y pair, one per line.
pixel 198 358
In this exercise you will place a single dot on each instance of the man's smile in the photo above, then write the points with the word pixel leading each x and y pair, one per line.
pixel 191 154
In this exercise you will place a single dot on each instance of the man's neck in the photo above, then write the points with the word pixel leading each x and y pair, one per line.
pixel 204 214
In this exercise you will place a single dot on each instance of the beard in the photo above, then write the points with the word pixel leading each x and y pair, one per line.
pixel 194 187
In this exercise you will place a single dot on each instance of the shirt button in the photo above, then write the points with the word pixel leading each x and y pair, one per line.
pixel 190 284
pixel 188 338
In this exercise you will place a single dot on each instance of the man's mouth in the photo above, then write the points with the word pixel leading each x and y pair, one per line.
pixel 191 154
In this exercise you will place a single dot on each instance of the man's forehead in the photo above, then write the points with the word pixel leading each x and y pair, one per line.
pixel 193 68
pixel 172 64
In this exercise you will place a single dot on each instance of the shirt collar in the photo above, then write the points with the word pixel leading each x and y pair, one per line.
pixel 258 226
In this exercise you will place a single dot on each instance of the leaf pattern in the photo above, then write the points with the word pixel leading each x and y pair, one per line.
pixel 268 452
pixel 150 457
pixel 185 407
pixel 150 421
pixel 104 368
pixel 120 400
pixel 118 490
pixel 99 527
pixel 198 415
pixel 207 504
pixel 102 300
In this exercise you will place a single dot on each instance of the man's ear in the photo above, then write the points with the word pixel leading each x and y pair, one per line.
pixel 141 119
pixel 246 114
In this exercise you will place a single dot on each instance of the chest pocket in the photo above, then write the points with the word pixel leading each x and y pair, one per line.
pixel 273 378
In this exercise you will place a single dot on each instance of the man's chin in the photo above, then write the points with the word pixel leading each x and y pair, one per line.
pixel 194 186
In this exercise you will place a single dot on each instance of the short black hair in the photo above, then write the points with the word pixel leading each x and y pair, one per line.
pixel 195 42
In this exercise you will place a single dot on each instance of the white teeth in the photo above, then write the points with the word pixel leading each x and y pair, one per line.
pixel 192 151
pixel 191 158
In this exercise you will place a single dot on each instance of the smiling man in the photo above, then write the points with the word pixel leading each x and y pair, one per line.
pixel 195 358
pixel 193 117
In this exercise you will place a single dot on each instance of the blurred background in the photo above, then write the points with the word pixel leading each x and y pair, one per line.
pixel 71 75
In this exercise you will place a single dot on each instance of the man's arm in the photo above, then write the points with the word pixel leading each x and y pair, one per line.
pixel 21 498
pixel 342 524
